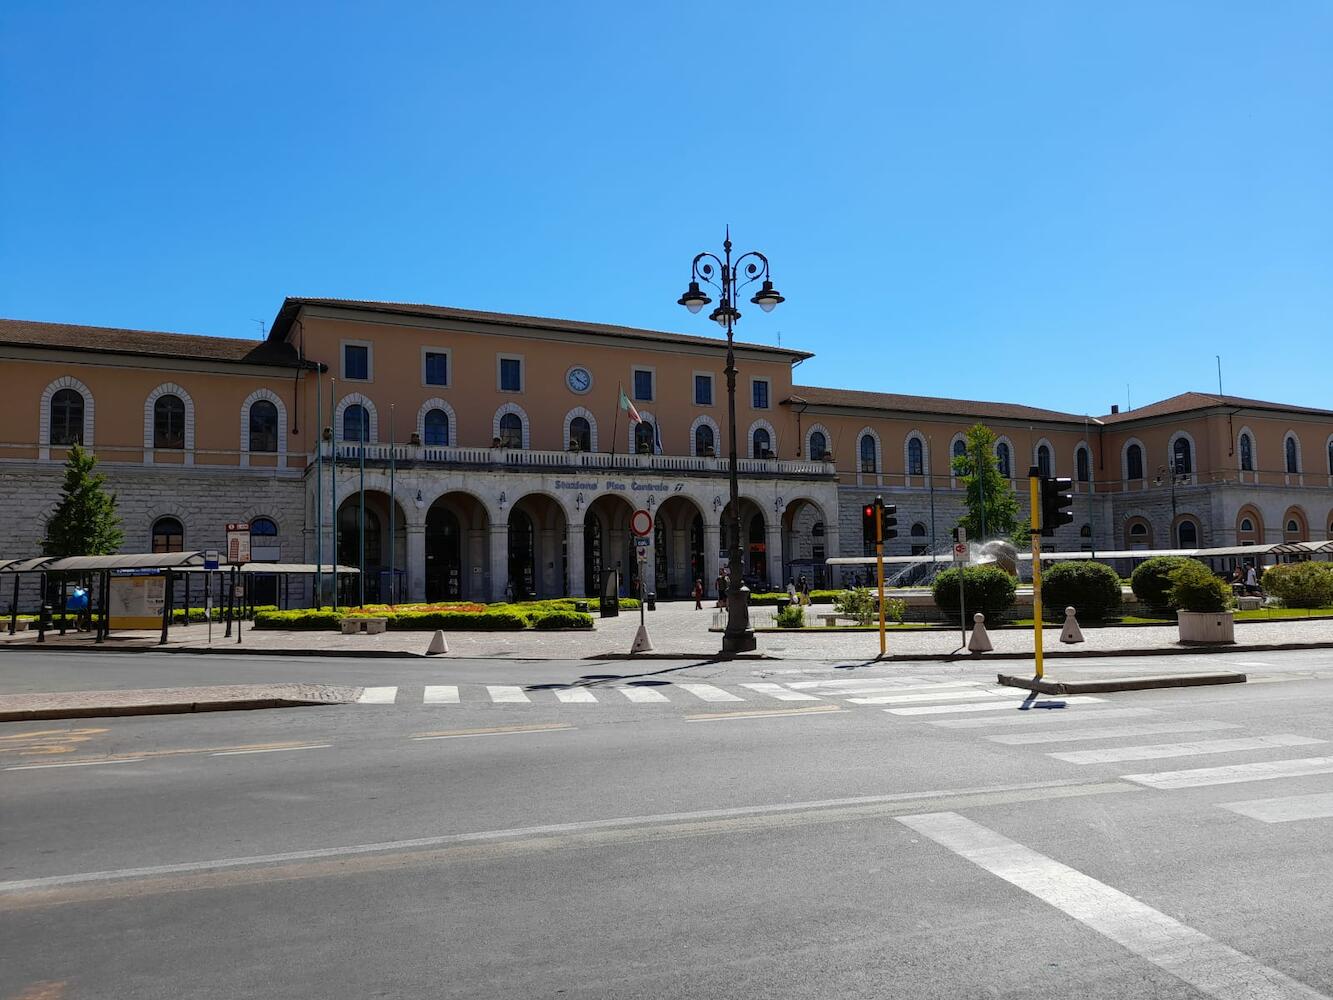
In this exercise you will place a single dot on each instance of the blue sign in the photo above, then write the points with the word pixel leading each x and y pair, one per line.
pixel 210 558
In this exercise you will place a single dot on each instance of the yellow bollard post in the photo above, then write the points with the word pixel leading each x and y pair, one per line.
pixel 1034 494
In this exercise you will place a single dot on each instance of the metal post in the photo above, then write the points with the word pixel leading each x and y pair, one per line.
pixel 333 490
pixel 64 601
pixel 393 506
pixel 738 637
pixel 1034 498
pixel 208 603
pixel 227 599
pixel 319 489
pixel 361 512
pixel 41 611
pixel 166 606
pixel 240 609
pixel 14 607
pixel 104 596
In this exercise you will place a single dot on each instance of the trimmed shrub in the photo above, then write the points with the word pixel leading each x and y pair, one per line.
pixel 790 617
pixel 858 604
pixel 1152 580
pixel 495 620
pixel 895 610
pixel 562 619
pixel 304 620
pixel 1092 588
pixel 1301 585
pixel 987 589
pixel 1194 587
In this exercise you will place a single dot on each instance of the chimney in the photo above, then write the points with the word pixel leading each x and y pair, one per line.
pixel 1115 408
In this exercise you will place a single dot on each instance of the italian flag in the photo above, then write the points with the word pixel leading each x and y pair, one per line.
pixel 628 407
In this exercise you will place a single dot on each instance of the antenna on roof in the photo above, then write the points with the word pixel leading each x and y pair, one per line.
pixel 263 327
pixel 1128 404
pixel 1219 375
pixel 779 338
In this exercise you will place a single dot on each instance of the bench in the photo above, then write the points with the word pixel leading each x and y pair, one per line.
pixel 1249 603
pixel 831 620
pixel 366 626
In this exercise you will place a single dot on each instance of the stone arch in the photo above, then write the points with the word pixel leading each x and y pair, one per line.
pixel 1182 519
pixel 1181 435
pixel 518 411
pixel 1254 535
pixel 371 414
pixel 1295 514
pixel 703 420
pixel 168 389
pixel 436 403
pixel 1084 447
pixel 1328 452
pixel 761 424
pixel 810 433
pixel 586 414
pixel 953 441
pixel 861 471
pixel 44 414
pixel 924 475
pixel 1291 442
pixel 155 512
pixel 276 400
pixel 1037 446
pixel 630 427
pixel 1124 462
pixel 1137 531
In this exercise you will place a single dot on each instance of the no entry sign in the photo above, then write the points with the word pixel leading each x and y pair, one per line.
pixel 641 523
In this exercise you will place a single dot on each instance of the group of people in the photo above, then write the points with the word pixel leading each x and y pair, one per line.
pixel 799 587
pixel 1245 579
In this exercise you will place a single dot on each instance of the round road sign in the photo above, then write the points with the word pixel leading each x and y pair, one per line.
pixel 641 522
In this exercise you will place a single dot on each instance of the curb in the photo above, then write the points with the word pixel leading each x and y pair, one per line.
pixel 702 657
pixel 232 650
pixel 163 708
pixel 1077 654
pixel 1123 684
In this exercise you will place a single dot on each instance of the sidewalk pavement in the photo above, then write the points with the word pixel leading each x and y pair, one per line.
pixel 169 701
pixel 677 629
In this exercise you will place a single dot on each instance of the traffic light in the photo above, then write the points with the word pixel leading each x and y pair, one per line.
pixel 889 522
pixel 1056 498
pixel 868 533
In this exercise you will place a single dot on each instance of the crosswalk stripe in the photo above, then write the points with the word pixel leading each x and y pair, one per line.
pixel 441 694
pixel 903 699
pixel 642 694
pixel 854 682
pixel 581 696
pixel 1285 809
pixel 1110 732
pixel 506 693
pixel 1043 719
pixel 780 692
pixel 707 692
pixel 378 696
pixel 1260 771
pixel 845 688
pixel 1108 755
pixel 1008 706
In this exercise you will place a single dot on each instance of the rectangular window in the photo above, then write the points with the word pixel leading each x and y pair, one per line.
pixel 511 374
pixel 437 368
pixel 643 385
pixel 759 389
pixel 703 390
pixel 356 362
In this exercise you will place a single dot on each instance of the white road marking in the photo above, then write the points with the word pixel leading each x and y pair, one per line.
pixel 378 696
pixel 842 689
pixel 441 694
pixel 51 881
pixel 845 682
pixel 75 763
pixel 1110 732
pixel 238 753
pixel 506 694
pixel 642 694
pixel 1261 771
pixel 1008 706
pixel 1039 717
pixel 1188 954
pixel 1286 809
pixel 581 696
pixel 707 692
pixel 1252 663
pixel 780 692
pixel 973 695
pixel 503 732
pixel 1108 755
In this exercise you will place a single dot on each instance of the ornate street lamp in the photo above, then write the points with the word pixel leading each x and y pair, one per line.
pixel 729 278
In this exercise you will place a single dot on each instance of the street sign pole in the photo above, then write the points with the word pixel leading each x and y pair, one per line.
pixel 879 566
pixel 960 558
pixel 1034 497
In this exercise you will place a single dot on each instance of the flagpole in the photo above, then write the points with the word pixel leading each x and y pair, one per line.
pixel 615 424
pixel 393 505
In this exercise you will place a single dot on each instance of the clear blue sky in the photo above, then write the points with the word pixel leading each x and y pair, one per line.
pixel 1125 189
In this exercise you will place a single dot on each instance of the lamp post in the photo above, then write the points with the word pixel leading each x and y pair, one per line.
pixel 729 278
pixel 1175 476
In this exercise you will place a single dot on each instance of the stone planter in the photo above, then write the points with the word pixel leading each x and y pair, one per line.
pixel 1206 628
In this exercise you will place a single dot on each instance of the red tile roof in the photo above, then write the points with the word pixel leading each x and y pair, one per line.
pixel 1187 402
pixel 899 403
pixel 110 340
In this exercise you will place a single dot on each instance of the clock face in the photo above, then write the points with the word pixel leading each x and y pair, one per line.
pixel 579 379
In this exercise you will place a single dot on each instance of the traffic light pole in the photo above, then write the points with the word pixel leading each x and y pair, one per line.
pixel 879 560
pixel 1034 496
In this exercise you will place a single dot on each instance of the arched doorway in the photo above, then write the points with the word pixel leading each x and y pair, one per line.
pixel 754 545
pixel 456 552
pixel 1249 527
pixel 377 563
pixel 803 550
pixel 1187 532
pixel 537 560
pixel 1295 527
pixel 1138 533
pixel 606 542
pixel 678 527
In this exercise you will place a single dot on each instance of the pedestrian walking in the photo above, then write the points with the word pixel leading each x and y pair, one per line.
pixel 805 589
pixel 721 591
pixel 791 591
pixel 698 595
pixel 1251 580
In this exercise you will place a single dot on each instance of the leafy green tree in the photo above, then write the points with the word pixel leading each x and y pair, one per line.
pixel 84 521
pixel 992 507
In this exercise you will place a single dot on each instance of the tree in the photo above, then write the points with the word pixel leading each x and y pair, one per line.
pixel 992 507
pixel 84 521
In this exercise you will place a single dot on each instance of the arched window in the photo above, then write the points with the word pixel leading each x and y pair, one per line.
pixel 580 434
pixel 763 444
pixel 1138 535
pixel 436 426
pixel 1246 454
pixel 916 458
pixel 1187 535
pixel 703 440
pixel 1182 459
pixel 643 437
pixel 819 446
pixel 263 527
pixel 356 423
pixel 511 431
pixel 959 448
pixel 67 417
pixel 1330 457
pixel 918 534
pixel 1134 462
pixel 1293 456
pixel 867 449
pixel 1003 460
pixel 264 425
pixel 1083 468
pixel 1246 524
pixel 1085 531
pixel 168 535
pixel 168 422
pixel 1043 460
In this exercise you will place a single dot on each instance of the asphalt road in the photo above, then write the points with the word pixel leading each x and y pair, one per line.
pixel 871 832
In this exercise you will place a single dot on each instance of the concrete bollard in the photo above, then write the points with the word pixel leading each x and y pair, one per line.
pixel 1071 632
pixel 642 644
pixel 437 644
pixel 980 640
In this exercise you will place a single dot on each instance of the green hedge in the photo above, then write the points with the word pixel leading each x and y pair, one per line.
pixel 307 620
pixel 771 597
pixel 987 589
pixel 1091 588
pixel 1300 585
pixel 498 620
pixel 563 619
pixel 1152 580
pixel 1194 587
